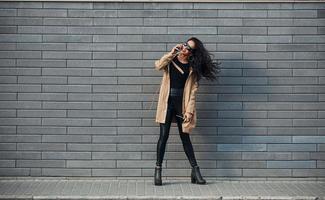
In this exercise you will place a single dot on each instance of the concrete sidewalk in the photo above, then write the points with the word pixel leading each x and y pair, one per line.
pixel 99 188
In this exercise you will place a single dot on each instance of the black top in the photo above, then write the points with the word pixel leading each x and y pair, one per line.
pixel 177 79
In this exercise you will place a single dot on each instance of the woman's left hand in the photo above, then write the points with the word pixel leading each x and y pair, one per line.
pixel 188 117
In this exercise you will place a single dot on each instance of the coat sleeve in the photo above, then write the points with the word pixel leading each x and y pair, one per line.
pixel 191 104
pixel 163 61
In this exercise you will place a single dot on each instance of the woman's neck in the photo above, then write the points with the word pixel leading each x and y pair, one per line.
pixel 183 59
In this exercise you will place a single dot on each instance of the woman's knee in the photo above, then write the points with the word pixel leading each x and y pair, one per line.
pixel 164 132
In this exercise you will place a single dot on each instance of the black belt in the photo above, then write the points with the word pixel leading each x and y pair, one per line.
pixel 176 92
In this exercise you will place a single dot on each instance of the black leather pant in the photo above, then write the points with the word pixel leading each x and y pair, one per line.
pixel 174 108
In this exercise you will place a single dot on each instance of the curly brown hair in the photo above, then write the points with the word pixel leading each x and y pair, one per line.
pixel 202 63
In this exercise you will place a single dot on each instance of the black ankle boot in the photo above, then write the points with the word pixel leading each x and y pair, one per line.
pixel 196 176
pixel 158 175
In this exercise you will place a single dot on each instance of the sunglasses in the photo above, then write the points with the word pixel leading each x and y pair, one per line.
pixel 188 47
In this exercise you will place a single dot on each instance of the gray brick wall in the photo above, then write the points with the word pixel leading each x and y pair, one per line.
pixel 77 80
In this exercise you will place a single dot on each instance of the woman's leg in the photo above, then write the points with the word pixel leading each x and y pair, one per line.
pixel 164 134
pixel 187 144
pixel 188 148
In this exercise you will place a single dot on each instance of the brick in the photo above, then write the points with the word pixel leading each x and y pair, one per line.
pixel 90 164
pixel 291 164
pixel 267 55
pixel 41 113
pixel 241 147
pixel 291 47
pixel 40 163
pixel 269 5
pixel 162 21
pixel 293 97
pixel 117 55
pixel 42 96
pixel 92 97
pixel 20 155
pixel 40 63
pixel 242 131
pixel 8 12
pixel 266 172
pixel 66 155
pixel 267 22
pixel 118 21
pixel 41 146
pixel 14 171
pixel 267 39
pixel 66 88
pixel 117 139
pixel 92 80
pixel 223 172
pixel 292 80
pixel 266 139
pixel 136 147
pixel 117 172
pixel 42 79
pixel 40 130
pixel 142 30
pixel 291 147
pixel 91 147
pixel 140 47
pixel 116 105
pixel 308 139
pixel 116 155
pixel 292 13
pixel 66 38
pixel 116 122
pixel 241 47
pixel 8 30
pixel 192 13
pixel 116 5
pixel 42 12
pixel 92 13
pixel 133 164
pixel 43 30
pixel 20 121
pixel 8 96
pixel 242 30
pixel 308 172
pixel 7 163
pixel 266 155
pixel 241 164
pixel 8 129
pixel 66 55
pixel 65 122
pixel 91 114
pixel 225 6
pixel 67 105
pixel 66 138
pixel 243 13
pixel 184 164
pixel 65 172
pixel 190 30
pixel 7 113
pixel 7 147
pixel 168 6
pixel 308 39
pixel 292 114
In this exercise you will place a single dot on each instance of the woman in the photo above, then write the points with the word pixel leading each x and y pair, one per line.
pixel 183 67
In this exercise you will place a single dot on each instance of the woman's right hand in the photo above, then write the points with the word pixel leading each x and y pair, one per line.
pixel 174 49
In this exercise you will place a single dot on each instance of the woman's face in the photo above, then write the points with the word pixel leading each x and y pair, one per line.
pixel 186 48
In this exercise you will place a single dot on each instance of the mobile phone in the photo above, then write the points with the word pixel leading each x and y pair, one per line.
pixel 180 117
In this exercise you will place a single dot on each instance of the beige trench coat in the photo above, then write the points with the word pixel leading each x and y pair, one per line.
pixel 189 94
